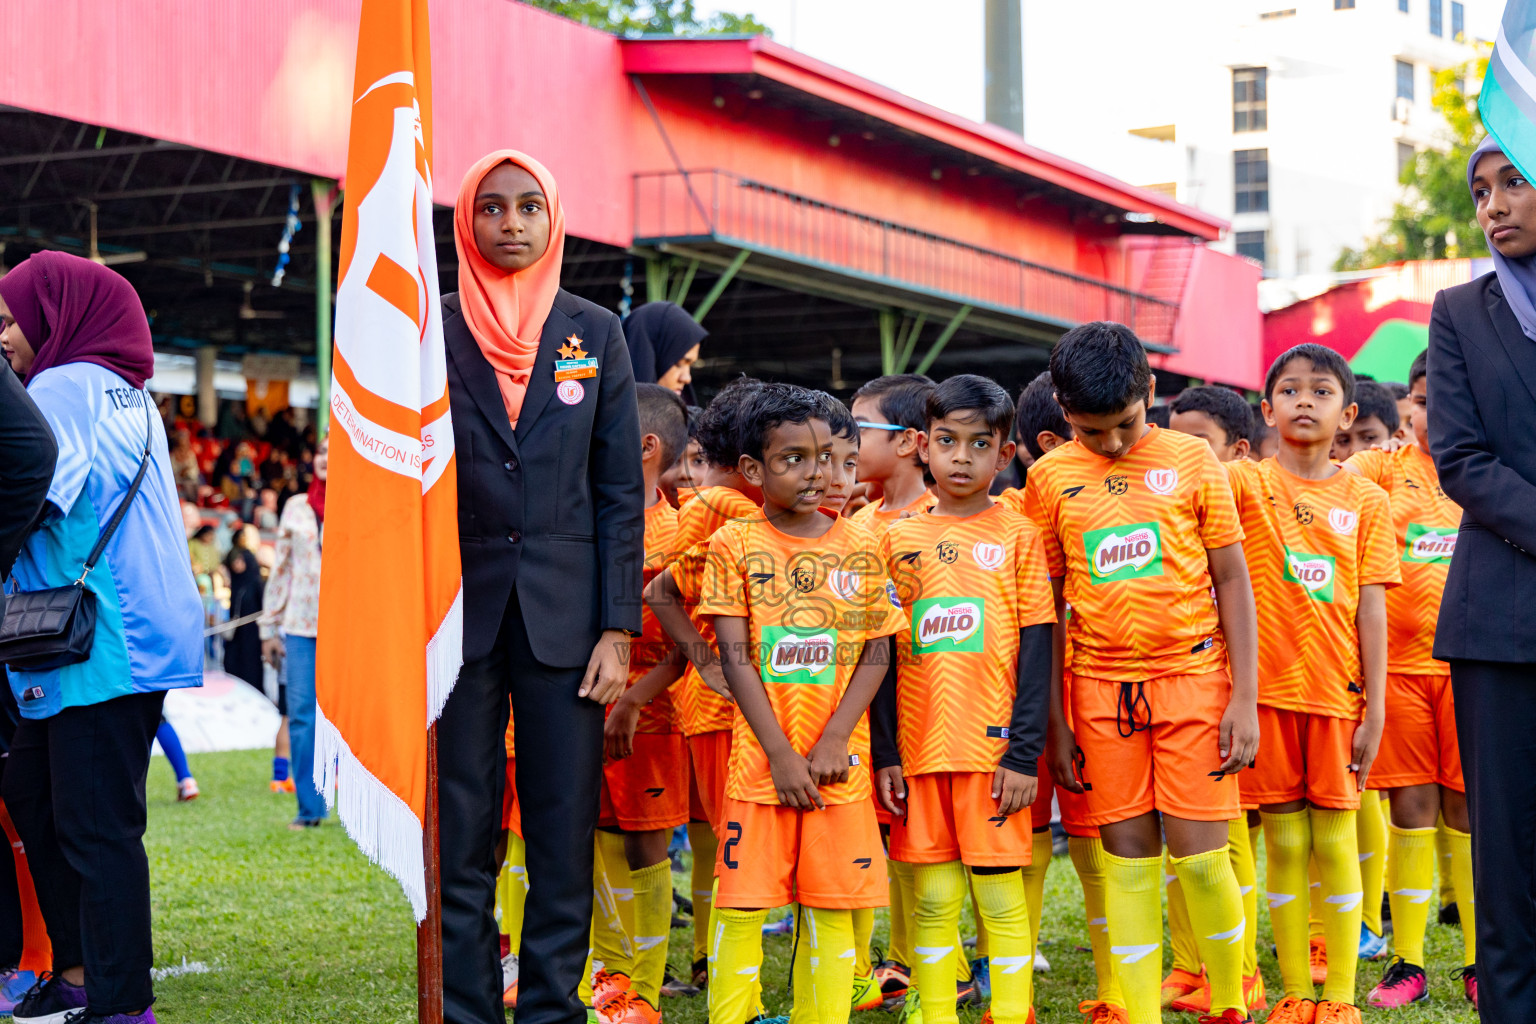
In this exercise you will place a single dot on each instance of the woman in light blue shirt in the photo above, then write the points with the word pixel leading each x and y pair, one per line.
pixel 74 785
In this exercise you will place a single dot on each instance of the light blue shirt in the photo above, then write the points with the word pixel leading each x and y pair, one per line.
pixel 149 616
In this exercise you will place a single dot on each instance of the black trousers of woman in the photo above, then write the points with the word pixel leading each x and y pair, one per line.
pixel 74 786
pixel 1495 709
pixel 559 772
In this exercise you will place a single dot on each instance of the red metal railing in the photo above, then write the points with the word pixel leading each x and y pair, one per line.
pixel 718 206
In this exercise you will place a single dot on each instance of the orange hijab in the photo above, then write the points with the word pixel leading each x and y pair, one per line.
pixel 506 311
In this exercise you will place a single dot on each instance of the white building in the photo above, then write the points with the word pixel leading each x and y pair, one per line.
pixel 1292 118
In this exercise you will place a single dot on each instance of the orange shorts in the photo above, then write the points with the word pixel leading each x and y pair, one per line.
pixel 1167 760
pixel 1302 757
pixel 952 816
pixel 511 813
pixel 710 755
pixel 695 802
pixel 648 790
pixel 1419 746
pixel 771 855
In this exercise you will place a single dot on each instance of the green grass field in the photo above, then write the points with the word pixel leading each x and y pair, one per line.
pixel 298 927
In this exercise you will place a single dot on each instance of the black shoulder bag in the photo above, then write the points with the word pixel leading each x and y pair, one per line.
pixel 45 629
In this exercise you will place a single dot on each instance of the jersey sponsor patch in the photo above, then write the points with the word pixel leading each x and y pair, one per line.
pixel 1127 552
pixel 1313 572
pixel 948 624
pixel 988 555
pixel 1162 481
pixel 1429 543
pixel 790 657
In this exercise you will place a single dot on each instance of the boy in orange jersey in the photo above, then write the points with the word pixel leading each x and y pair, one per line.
pixel 1220 417
pixel 802 608
pixel 645 773
pixel 961 720
pixel 1139 526
pixel 703 706
pixel 682 483
pixel 1420 762
pixel 1321 553
pixel 892 415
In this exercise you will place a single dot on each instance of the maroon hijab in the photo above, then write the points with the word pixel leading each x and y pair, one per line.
pixel 75 311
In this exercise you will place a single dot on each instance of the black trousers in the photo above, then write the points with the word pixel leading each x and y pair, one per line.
pixel 1495 709
pixel 75 790
pixel 559 771
pixel 12 939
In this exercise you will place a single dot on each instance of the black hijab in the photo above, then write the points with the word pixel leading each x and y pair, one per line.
pixel 659 335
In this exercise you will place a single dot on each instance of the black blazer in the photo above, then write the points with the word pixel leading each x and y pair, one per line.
pixel 555 508
pixel 27 455
pixel 1482 405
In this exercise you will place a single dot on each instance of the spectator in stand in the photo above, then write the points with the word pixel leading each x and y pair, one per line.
pixel 242 645
pixel 234 425
pixel 289 623
pixel 74 784
pixel 184 466
pixel 266 516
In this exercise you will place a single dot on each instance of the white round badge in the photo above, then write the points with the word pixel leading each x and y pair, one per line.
pixel 571 392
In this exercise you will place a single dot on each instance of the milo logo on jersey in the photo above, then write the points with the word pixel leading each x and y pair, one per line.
pixel 1124 552
pixel 948 624
pixel 807 658
pixel 1429 544
pixel 1313 572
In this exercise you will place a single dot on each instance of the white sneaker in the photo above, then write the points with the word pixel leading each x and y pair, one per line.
pixel 509 971
pixel 1041 963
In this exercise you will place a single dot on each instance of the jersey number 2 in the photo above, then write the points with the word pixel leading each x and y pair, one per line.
pixel 734 828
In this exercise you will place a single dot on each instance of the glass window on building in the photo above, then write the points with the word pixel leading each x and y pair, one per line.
pixel 1458 21
pixel 1405 154
pixel 1436 16
pixel 1250 105
pixel 1402 5
pixel 1250 181
pixel 1252 244
pixel 1404 80
pixel 1343 5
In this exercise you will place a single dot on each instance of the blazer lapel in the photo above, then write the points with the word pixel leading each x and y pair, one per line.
pixel 541 383
pixel 1520 349
pixel 478 377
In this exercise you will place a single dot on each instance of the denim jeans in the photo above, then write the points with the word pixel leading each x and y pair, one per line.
pixel 300 664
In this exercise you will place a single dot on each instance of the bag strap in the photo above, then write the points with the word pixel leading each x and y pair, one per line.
pixel 122 507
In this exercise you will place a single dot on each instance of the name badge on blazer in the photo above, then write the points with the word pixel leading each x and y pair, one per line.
pixel 574 369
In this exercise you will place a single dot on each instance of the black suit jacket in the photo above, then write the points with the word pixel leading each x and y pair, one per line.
pixel 27 455
pixel 1482 410
pixel 556 507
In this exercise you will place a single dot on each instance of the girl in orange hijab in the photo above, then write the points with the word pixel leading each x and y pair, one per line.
pixel 551 522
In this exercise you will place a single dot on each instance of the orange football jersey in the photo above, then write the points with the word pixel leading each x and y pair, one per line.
pixel 1013 498
pixel 699 708
pixel 1130 537
pixel 648 649
pixel 810 605
pixel 967 586
pixel 1311 545
pixel 877 518
pixel 1425 521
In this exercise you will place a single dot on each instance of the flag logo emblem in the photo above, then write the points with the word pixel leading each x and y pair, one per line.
pixel 1162 481
pixel 988 555
pixel 1342 520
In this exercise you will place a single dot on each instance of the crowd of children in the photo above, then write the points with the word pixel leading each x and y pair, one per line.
pixel 872 676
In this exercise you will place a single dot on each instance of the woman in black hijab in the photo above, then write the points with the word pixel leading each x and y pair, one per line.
pixel 663 345
pixel 242 648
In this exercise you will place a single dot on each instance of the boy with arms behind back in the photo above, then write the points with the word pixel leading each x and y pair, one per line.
pixel 1139 526
pixel 960 732
pixel 1321 553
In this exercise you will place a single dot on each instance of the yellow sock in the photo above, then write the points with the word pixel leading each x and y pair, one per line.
pixel 936 945
pixel 863 935
pixel 1034 895
pixel 653 926
pixel 612 914
pixel 1338 861
pixel 1245 870
pixel 1216 915
pixel 1087 854
pixel 1314 900
pixel 1288 842
pixel 903 905
pixel 735 965
pixel 826 937
pixel 1410 884
pixel 1461 874
pixel 512 891
pixel 1371 836
pixel 1004 905
pixel 1181 935
pixel 1443 852
pixel 1133 894
pixel 983 946
pixel 702 839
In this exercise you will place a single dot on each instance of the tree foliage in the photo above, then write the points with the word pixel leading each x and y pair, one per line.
pixel 1435 218
pixel 656 17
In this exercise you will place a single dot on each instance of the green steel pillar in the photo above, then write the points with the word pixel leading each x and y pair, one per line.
pixel 321 190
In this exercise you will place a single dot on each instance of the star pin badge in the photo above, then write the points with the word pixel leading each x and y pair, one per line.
pixel 572 349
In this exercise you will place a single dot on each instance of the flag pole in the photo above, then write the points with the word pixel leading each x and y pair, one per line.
pixel 429 934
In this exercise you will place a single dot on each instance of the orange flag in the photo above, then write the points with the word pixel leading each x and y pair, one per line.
pixel 391 597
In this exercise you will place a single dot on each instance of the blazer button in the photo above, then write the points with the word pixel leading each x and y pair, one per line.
pixel 509 465
pixel 514 536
